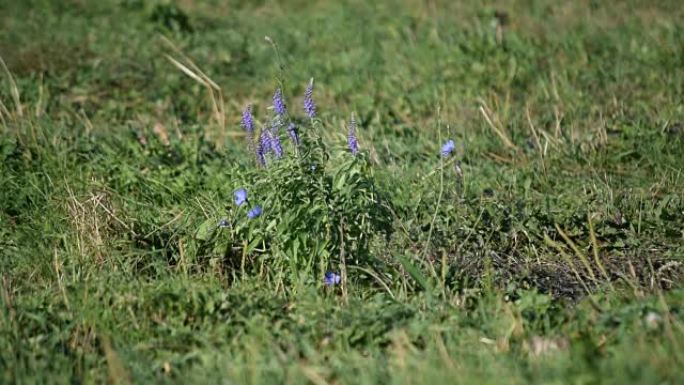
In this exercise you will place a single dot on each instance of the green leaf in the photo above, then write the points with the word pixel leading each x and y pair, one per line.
pixel 340 182
pixel 415 273
pixel 206 230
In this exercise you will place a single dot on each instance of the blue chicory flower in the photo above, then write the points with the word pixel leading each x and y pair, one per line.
pixel 240 196
pixel 292 131
pixel 352 141
pixel 331 279
pixel 279 103
pixel 309 105
pixel 254 212
pixel 448 148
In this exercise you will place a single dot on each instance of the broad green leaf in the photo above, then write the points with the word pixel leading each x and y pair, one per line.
pixel 415 273
pixel 206 230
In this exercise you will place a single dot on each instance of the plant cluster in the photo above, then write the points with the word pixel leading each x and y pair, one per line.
pixel 305 209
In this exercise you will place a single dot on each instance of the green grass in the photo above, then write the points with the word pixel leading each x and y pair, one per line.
pixel 556 255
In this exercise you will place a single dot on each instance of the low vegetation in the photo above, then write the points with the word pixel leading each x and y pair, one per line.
pixel 342 192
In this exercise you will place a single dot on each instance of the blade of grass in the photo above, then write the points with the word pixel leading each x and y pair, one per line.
pixel 14 90
pixel 583 258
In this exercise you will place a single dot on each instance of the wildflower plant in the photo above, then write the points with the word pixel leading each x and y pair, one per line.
pixel 311 207
pixel 352 140
pixel 248 121
pixel 309 105
pixel 276 145
pixel 279 103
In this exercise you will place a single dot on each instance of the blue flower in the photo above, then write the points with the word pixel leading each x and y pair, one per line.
pixel 254 212
pixel 448 148
pixel 352 141
pixel 223 223
pixel 331 279
pixel 240 196
pixel 276 146
pixel 292 131
pixel 279 103
pixel 309 105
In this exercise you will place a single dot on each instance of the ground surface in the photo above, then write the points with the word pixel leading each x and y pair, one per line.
pixel 547 248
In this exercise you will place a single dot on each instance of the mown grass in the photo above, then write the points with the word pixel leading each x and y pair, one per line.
pixel 555 255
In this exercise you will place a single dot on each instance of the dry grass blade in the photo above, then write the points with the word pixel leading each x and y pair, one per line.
pixel 3 112
pixel 578 253
pixel 116 371
pixel 13 89
pixel 534 133
pixel 595 249
pixel 190 63
pixel 187 71
pixel 490 119
pixel 188 67
pixel 568 260
pixel 312 375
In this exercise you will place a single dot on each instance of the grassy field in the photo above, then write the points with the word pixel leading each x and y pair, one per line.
pixel 546 248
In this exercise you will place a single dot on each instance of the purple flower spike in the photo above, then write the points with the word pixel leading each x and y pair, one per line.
pixel 240 196
pixel 309 105
pixel 292 131
pixel 247 120
pixel 255 212
pixel 279 103
pixel 352 141
pixel 263 147
pixel 276 146
pixel 448 148
pixel 331 279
